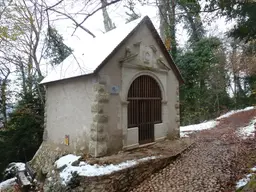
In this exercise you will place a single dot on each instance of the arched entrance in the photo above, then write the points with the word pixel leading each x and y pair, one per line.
pixel 145 107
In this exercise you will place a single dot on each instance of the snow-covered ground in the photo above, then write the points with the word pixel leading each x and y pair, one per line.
pixel 185 130
pixel 18 166
pixel 235 111
pixel 245 131
pixel 11 169
pixel 84 169
pixel 248 131
pixel 7 184
pixel 242 182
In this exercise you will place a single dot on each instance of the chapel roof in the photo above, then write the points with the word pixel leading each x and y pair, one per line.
pixel 94 54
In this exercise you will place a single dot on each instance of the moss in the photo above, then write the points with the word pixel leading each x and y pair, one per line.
pixel 240 189
pixel 41 176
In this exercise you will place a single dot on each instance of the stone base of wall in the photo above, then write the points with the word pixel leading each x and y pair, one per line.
pixel 46 155
pixel 121 181
pixel 174 134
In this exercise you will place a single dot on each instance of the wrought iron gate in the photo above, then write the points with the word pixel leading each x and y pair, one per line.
pixel 145 107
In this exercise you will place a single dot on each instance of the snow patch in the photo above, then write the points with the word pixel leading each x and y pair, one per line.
pixel 18 166
pixel 7 183
pixel 12 169
pixel 66 160
pixel 235 111
pixel 85 169
pixel 242 182
pixel 185 130
pixel 253 169
pixel 248 131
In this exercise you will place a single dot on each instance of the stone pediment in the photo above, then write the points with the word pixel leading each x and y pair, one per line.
pixel 142 56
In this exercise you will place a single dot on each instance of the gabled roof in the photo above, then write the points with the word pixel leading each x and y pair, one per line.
pixel 98 51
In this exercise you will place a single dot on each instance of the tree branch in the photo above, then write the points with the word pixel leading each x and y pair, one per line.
pixel 76 23
pixel 56 4
pixel 101 7
pixel 79 24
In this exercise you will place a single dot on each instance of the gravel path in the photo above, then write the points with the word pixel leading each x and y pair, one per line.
pixel 200 169
pixel 207 167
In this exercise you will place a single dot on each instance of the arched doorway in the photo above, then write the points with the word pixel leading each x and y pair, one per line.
pixel 145 107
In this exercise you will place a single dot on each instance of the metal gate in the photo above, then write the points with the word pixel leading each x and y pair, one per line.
pixel 145 107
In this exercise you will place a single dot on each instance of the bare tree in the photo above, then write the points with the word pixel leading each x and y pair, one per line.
pixel 132 14
pixel 23 45
pixel 85 12
pixel 241 65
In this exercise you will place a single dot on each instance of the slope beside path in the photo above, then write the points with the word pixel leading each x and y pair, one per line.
pixel 219 158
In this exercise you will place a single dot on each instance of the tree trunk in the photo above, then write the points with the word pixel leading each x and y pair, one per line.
pixel 106 19
pixel 163 18
pixel 167 25
pixel 193 18
pixel 173 29
pixel 4 98
pixel 23 76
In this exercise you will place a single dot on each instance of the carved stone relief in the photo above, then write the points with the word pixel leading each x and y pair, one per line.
pixel 141 55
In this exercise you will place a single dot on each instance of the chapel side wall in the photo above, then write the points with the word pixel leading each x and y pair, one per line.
pixel 72 116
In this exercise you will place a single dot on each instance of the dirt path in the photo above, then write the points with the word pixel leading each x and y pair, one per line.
pixel 212 165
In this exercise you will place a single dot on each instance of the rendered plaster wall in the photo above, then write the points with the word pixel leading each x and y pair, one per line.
pixel 68 112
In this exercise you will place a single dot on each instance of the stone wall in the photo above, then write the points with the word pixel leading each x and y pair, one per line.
pixel 46 155
pixel 123 180
pixel 120 181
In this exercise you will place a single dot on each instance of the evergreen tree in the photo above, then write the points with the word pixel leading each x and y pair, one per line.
pixel 243 12
pixel 25 129
pixel 204 93
pixel 56 50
